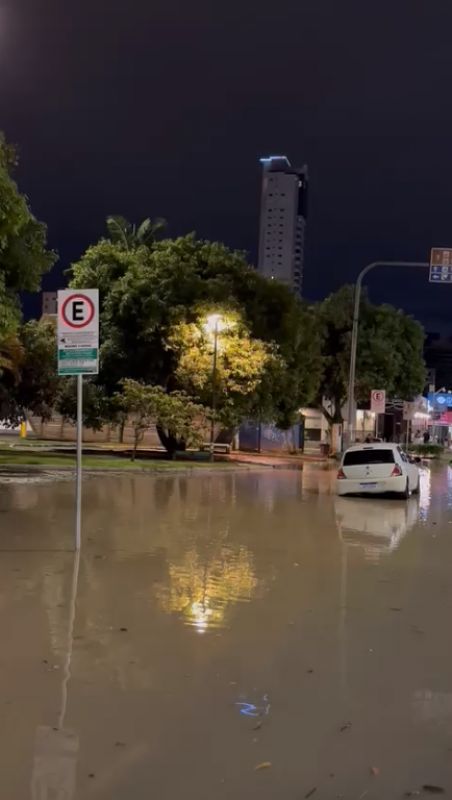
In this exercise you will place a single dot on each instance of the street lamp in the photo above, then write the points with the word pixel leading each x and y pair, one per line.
pixel 213 325
pixel 354 343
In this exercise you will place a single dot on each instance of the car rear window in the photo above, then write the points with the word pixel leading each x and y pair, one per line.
pixel 377 456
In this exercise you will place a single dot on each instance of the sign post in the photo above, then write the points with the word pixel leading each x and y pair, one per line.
pixel 377 405
pixel 78 354
pixel 440 265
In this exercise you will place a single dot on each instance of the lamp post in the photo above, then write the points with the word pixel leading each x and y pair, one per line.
pixel 354 342
pixel 213 325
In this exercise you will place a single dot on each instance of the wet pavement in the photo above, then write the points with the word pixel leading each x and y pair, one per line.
pixel 225 636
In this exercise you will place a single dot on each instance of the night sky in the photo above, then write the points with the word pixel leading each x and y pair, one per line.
pixel 163 108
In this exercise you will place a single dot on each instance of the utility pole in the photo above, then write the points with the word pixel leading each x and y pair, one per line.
pixel 351 416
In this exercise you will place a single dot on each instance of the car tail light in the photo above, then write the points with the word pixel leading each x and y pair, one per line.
pixel 396 472
pixel 340 474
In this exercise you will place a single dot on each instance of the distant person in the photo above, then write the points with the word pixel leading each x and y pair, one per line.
pixel 426 437
pixel 368 439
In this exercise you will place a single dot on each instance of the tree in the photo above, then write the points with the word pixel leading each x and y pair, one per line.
pixel 147 292
pixel 240 365
pixel 39 385
pixel 24 258
pixel 389 355
pixel 97 406
pixel 129 236
pixel 179 421
pixel 11 359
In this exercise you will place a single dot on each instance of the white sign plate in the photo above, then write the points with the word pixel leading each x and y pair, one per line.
pixel 409 410
pixel 78 332
pixel 378 401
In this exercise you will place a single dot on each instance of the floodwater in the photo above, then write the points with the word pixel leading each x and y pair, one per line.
pixel 241 635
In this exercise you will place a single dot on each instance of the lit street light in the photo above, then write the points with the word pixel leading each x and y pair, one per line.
pixel 213 325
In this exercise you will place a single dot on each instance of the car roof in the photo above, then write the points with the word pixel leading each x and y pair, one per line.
pixel 373 446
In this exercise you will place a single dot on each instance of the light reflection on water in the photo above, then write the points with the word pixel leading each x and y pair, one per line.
pixel 200 589
pixel 206 532
pixel 284 568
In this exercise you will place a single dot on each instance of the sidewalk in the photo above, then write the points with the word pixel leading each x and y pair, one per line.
pixel 275 460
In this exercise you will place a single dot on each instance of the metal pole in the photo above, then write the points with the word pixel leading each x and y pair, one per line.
pixel 354 343
pixel 214 397
pixel 78 478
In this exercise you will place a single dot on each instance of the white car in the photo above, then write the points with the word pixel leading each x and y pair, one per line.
pixel 377 469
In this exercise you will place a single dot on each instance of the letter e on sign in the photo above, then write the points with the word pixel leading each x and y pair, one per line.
pixel 378 401
pixel 78 311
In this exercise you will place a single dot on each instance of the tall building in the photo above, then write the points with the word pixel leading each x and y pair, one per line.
pixel 49 304
pixel 283 221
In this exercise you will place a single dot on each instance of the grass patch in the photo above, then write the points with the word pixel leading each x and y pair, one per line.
pixel 101 462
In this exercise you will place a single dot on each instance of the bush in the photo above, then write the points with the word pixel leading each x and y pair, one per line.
pixel 429 450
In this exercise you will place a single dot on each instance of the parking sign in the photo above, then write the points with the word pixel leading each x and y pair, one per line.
pixel 78 332
pixel 378 401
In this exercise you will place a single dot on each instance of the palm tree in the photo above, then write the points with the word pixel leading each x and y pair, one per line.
pixel 130 236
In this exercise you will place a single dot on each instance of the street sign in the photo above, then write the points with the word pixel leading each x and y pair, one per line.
pixel 78 332
pixel 441 265
pixel 378 401
pixel 78 354
pixel 409 410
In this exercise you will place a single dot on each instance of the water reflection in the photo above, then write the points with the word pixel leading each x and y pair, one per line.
pixel 377 526
pixel 167 561
pixel 430 705
pixel 200 589
pixel 56 748
pixel 425 492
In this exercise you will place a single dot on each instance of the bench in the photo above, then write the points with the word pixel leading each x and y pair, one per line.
pixel 218 447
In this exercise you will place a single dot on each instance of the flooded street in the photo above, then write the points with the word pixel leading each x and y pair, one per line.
pixel 243 635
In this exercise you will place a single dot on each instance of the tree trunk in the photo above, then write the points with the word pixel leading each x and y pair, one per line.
pixel 332 420
pixel 136 437
pixel 122 426
pixel 170 442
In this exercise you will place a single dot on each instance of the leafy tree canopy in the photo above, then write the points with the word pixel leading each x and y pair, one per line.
pixel 179 420
pixel 24 258
pixel 389 356
pixel 241 362
pixel 147 292
pixel 39 385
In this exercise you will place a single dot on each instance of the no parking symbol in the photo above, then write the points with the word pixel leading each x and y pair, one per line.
pixel 78 332
pixel 378 401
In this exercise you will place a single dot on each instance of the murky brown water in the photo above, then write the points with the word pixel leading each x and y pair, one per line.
pixel 220 623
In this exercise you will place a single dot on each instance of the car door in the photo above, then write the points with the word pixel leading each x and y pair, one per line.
pixel 413 475
pixel 409 469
